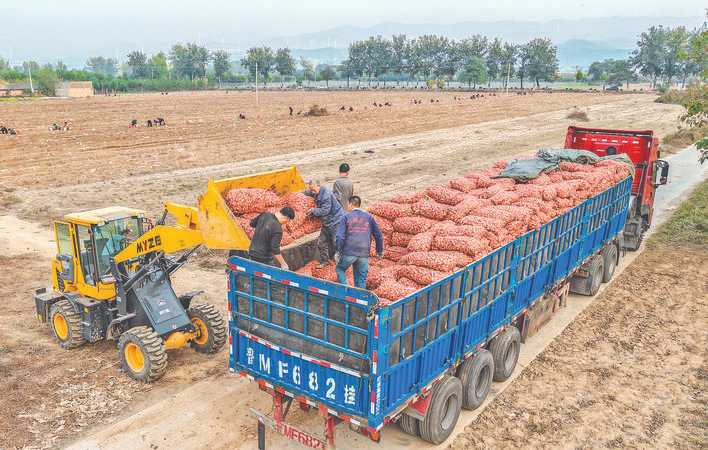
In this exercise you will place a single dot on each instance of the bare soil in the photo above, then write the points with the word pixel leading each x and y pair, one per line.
pixel 630 372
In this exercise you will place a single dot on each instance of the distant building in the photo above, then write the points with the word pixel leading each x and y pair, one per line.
pixel 71 89
pixel 74 89
pixel 14 89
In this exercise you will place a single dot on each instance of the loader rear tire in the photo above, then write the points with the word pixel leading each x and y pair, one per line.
pixel 443 410
pixel 505 352
pixel 410 425
pixel 66 324
pixel 212 328
pixel 143 354
pixel 475 374
pixel 609 254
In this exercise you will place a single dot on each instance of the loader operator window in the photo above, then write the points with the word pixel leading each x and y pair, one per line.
pixel 86 254
pixel 114 237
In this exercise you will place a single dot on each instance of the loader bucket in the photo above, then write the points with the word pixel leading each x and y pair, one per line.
pixel 219 225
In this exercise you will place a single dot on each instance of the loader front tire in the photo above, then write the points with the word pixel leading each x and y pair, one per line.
pixel 211 334
pixel 66 324
pixel 143 354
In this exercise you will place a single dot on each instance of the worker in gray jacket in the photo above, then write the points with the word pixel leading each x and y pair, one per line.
pixel 343 187
pixel 330 212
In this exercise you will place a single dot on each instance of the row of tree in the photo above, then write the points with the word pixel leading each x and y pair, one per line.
pixel 475 60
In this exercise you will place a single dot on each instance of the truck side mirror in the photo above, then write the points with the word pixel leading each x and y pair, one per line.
pixel 662 172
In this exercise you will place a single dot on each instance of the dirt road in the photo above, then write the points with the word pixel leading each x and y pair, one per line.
pixel 58 397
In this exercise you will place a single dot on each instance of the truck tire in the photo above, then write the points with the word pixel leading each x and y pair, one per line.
pixel 443 410
pixel 609 254
pixel 143 354
pixel 476 374
pixel 505 353
pixel 212 328
pixel 66 325
pixel 597 269
pixel 410 425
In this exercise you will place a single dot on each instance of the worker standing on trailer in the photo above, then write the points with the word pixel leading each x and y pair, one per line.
pixel 343 186
pixel 268 233
pixel 330 212
pixel 353 243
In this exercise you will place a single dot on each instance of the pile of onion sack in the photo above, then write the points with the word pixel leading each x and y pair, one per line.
pixel 434 232
pixel 247 203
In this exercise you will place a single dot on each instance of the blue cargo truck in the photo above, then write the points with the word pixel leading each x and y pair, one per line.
pixel 420 359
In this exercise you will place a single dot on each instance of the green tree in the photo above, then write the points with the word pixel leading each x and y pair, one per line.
pixel 158 66
pixel 4 64
pixel 261 57
pixel 651 53
pixel 598 68
pixel 285 64
pixel 99 64
pixel 399 55
pixel 579 76
pixel 328 73
pixel 494 60
pixel 696 99
pixel 345 69
pixel 137 61
pixel 222 65
pixel 540 59
pixel 474 71
pixel 190 60
pixel 308 69
pixel 30 66
pixel 508 59
pixel 621 72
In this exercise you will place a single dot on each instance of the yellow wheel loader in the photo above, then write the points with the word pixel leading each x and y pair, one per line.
pixel 112 276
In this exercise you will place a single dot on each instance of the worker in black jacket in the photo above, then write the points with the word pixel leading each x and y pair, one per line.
pixel 268 233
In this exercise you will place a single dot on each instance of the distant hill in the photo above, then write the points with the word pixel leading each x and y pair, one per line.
pixel 579 42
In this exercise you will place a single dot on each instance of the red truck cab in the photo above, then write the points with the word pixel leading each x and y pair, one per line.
pixel 650 172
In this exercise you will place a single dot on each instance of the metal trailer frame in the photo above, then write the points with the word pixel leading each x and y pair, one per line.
pixel 336 348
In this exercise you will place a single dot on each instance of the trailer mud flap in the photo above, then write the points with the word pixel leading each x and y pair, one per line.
pixel 286 430
pixel 542 311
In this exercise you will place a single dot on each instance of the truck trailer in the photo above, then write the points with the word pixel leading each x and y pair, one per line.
pixel 420 359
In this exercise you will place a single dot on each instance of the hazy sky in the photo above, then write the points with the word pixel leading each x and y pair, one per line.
pixel 55 24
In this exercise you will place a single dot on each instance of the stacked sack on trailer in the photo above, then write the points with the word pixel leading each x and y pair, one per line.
pixel 432 233
pixel 247 203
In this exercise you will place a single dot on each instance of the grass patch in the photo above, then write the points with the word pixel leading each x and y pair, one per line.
pixel 684 137
pixel 670 97
pixel 688 227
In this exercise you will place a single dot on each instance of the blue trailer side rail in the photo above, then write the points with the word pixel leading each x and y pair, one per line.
pixel 365 362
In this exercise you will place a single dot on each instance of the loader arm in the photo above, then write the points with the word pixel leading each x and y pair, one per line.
pixel 161 238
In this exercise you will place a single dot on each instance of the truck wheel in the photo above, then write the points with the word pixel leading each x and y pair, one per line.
pixel 505 352
pixel 212 328
pixel 66 324
pixel 609 255
pixel 410 425
pixel 475 374
pixel 443 410
pixel 143 354
pixel 597 269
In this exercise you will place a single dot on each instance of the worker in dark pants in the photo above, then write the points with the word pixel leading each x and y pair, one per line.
pixel 268 233
pixel 353 243
pixel 330 212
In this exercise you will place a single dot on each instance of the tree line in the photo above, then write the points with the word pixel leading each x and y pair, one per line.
pixel 476 60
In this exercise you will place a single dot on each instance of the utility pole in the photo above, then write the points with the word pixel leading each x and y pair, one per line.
pixel 256 81
pixel 30 74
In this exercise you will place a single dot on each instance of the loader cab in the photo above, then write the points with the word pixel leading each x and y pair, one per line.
pixel 86 241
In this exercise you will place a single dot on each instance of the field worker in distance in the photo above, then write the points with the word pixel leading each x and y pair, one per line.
pixel 330 212
pixel 343 187
pixel 268 233
pixel 353 243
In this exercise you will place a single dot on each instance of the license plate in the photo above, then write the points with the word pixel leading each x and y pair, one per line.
pixel 290 431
